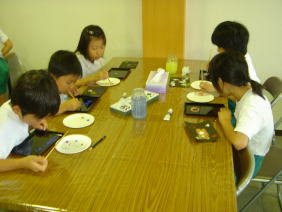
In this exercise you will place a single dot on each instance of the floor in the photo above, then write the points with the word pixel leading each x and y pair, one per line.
pixel 268 202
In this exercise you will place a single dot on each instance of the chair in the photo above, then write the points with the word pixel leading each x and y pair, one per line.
pixel 15 70
pixel 270 173
pixel 244 164
pixel 274 86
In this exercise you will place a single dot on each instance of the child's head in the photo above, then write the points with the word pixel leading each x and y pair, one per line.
pixel 230 35
pixel 35 96
pixel 66 70
pixel 92 42
pixel 230 68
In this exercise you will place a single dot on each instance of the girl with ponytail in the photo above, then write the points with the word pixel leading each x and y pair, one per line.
pixel 254 127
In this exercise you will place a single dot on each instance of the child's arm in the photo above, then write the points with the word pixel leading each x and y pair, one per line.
pixel 237 139
pixel 34 163
pixel 92 79
pixel 70 105
pixel 8 45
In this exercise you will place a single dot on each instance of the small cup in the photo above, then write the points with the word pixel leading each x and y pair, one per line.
pixel 171 64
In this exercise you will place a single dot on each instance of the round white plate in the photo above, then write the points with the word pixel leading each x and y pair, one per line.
pixel 198 97
pixel 78 120
pixel 72 144
pixel 196 84
pixel 108 82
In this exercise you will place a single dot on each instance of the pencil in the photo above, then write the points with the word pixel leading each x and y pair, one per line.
pixel 49 153
pixel 99 141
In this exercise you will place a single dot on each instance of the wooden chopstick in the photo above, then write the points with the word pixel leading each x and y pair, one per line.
pixel 49 153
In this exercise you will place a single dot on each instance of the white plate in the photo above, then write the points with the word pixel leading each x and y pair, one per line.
pixel 108 82
pixel 72 144
pixel 196 84
pixel 78 120
pixel 195 97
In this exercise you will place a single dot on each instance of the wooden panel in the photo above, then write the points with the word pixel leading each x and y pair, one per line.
pixel 163 28
pixel 142 165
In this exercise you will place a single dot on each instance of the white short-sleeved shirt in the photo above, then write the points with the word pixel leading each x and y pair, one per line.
pixel 89 68
pixel 255 120
pixel 252 71
pixel 3 39
pixel 13 131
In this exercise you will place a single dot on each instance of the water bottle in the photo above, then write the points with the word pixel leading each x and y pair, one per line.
pixel 139 104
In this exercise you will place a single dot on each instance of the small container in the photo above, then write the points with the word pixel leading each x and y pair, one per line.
pixel 171 64
pixel 139 104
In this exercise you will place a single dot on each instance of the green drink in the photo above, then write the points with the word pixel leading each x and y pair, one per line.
pixel 171 64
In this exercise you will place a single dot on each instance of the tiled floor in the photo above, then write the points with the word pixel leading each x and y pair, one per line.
pixel 268 202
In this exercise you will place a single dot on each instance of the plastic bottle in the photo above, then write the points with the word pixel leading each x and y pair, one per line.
pixel 139 104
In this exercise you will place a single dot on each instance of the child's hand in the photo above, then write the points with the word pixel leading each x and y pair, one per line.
pixel 34 163
pixel 103 75
pixel 208 87
pixel 74 92
pixel 72 104
pixel 41 125
pixel 224 116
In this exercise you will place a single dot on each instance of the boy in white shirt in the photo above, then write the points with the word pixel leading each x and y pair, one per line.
pixel 34 97
pixel 65 69
pixel 4 70
pixel 254 127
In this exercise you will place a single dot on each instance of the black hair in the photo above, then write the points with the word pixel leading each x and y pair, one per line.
pixel 231 35
pixel 232 68
pixel 89 32
pixel 63 63
pixel 36 93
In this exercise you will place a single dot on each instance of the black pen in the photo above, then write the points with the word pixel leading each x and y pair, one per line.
pixel 99 141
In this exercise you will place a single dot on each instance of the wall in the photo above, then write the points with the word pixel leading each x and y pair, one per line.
pixel 262 18
pixel 39 28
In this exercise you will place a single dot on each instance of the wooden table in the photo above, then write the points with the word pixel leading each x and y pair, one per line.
pixel 142 165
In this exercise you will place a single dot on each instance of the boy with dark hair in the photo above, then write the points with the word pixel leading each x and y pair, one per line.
pixel 34 97
pixel 65 68
pixel 231 35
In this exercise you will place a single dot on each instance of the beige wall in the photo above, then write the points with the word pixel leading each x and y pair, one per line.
pixel 262 18
pixel 38 28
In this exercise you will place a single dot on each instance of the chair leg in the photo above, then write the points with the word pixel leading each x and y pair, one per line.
pixel 257 195
pixel 279 196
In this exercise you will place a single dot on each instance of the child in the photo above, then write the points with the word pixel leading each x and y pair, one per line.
pixel 4 70
pixel 65 68
pixel 234 36
pixel 90 52
pixel 254 127
pixel 34 97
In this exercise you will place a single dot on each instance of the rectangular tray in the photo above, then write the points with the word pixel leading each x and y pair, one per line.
pixel 124 107
pixel 201 132
pixel 202 109
pixel 129 64
pixel 120 73
pixel 37 142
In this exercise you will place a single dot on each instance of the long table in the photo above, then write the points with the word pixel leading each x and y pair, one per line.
pixel 142 165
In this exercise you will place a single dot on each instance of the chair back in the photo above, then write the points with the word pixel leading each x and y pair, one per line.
pixel 15 69
pixel 274 86
pixel 244 164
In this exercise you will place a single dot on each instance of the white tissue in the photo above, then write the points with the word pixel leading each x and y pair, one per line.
pixel 157 78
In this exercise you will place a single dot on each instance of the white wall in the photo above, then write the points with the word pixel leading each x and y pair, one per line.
pixel 262 18
pixel 39 28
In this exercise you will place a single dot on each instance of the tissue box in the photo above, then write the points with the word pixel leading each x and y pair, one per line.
pixel 158 87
